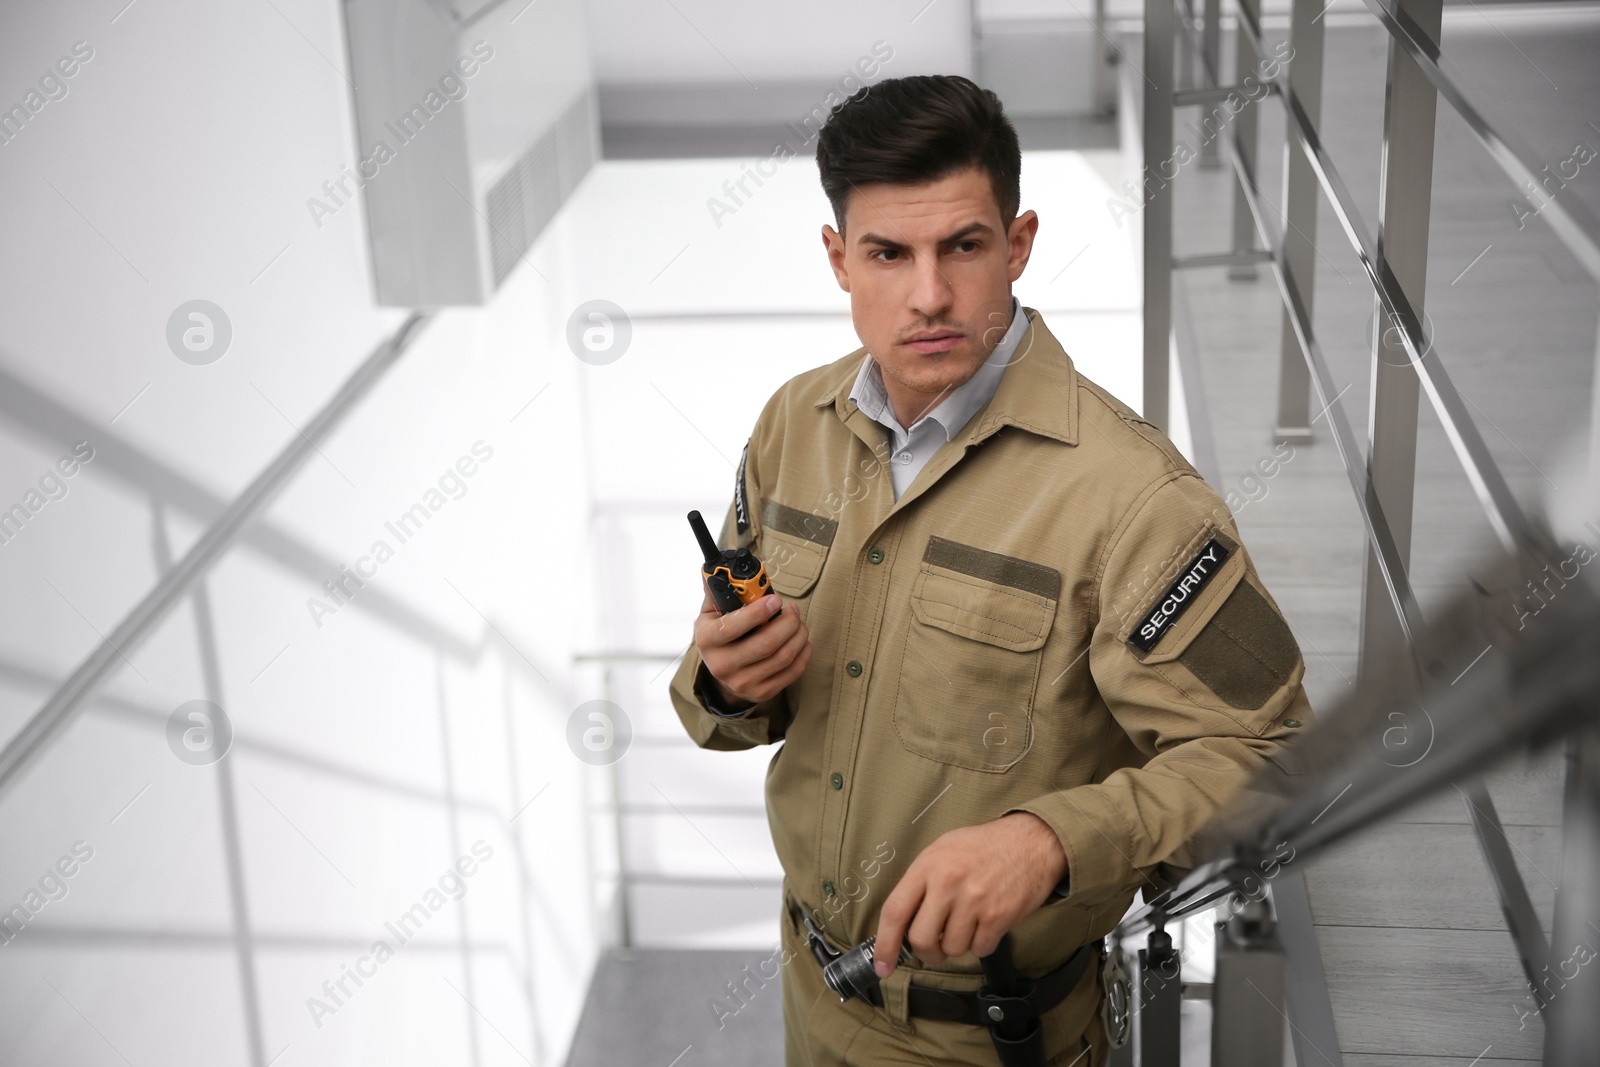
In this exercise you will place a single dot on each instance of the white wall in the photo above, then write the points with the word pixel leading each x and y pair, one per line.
pixel 370 751
pixel 698 41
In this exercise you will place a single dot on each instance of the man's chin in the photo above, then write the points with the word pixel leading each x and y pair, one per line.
pixel 933 362
pixel 929 377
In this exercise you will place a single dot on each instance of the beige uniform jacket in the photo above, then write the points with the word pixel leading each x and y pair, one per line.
pixel 1055 617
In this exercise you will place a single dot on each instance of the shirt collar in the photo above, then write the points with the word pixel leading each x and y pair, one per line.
pixel 1040 394
pixel 959 404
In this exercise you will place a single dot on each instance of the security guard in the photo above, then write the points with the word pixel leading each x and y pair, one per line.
pixel 1016 653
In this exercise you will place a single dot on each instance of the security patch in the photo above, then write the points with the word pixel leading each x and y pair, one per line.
pixel 741 508
pixel 1183 591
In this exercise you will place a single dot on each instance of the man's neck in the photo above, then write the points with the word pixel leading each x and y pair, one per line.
pixel 909 405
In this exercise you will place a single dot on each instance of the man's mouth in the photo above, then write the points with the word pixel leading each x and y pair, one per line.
pixel 929 341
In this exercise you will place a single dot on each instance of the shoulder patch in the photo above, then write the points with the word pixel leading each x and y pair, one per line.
pixel 1179 595
pixel 1246 652
pixel 741 506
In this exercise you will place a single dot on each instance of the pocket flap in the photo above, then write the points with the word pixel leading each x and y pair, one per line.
pixel 1000 615
pixel 793 563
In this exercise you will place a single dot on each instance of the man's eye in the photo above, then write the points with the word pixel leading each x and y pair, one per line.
pixel 966 244
pixel 884 252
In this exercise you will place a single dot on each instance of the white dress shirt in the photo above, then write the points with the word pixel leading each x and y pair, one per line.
pixel 910 449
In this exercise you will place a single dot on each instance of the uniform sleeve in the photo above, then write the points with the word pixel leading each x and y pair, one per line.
pixel 1197 665
pixel 766 721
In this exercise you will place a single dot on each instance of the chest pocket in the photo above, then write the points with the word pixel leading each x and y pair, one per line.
pixel 979 621
pixel 794 547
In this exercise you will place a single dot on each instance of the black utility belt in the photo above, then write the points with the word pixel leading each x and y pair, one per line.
pixel 977 1008
pixel 1031 997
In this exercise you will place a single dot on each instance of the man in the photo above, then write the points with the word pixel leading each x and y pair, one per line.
pixel 1015 652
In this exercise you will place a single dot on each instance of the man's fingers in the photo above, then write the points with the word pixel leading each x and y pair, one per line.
pixel 959 931
pixel 927 929
pixel 708 603
pixel 892 922
pixel 795 669
pixel 761 645
pixel 745 661
pixel 735 624
pixel 777 683
pixel 781 658
pixel 986 939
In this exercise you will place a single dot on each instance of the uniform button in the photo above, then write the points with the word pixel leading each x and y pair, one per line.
pixel 853 668
pixel 1291 723
pixel 875 555
pixel 838 781
pixel 904 457
pixel 827 889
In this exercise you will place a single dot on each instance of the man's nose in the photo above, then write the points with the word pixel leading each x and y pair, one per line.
pixel 931 294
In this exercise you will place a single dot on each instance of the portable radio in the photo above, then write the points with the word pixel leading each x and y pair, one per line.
pixel 735 575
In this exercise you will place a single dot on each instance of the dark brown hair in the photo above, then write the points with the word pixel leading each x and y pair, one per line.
pixel 915 130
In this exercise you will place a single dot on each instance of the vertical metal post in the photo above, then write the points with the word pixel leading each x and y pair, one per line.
pixel 1406 194
pixel 524 876
pixel 1314 1038
pixel 975 41
pixel 244 942
pixel 1245 141
pixel 1159 1003
pixel 1104 99
pixel 1521 919
pixel 1572 1025
pixel 1594 420
pixel 1186 79
pixel 1247 1017
pixel 1159 167
pixel 1301 198
pixel 1211 56
pixel 447 765
pixel 624 882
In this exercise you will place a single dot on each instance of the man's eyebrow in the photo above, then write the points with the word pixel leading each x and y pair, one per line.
pixel 966 231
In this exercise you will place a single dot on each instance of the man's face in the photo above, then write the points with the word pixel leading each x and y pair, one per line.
pixel 929 271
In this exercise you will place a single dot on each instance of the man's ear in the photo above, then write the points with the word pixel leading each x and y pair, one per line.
pixel 833 241
pixel 1020 236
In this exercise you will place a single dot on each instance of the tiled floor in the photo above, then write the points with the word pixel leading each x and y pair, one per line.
pixel 657 1008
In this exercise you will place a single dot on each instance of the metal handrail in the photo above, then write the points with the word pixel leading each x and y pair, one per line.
pixel 1500 505
pixel 1539 688
pixel 1378 531
pixel 60 708
pixel 1527 545
pixel 1505 514
pixel 1573 223
pixel 1494 495
pixel 1540 685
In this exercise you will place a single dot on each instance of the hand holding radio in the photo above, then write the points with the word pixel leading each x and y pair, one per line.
pixel 751 645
